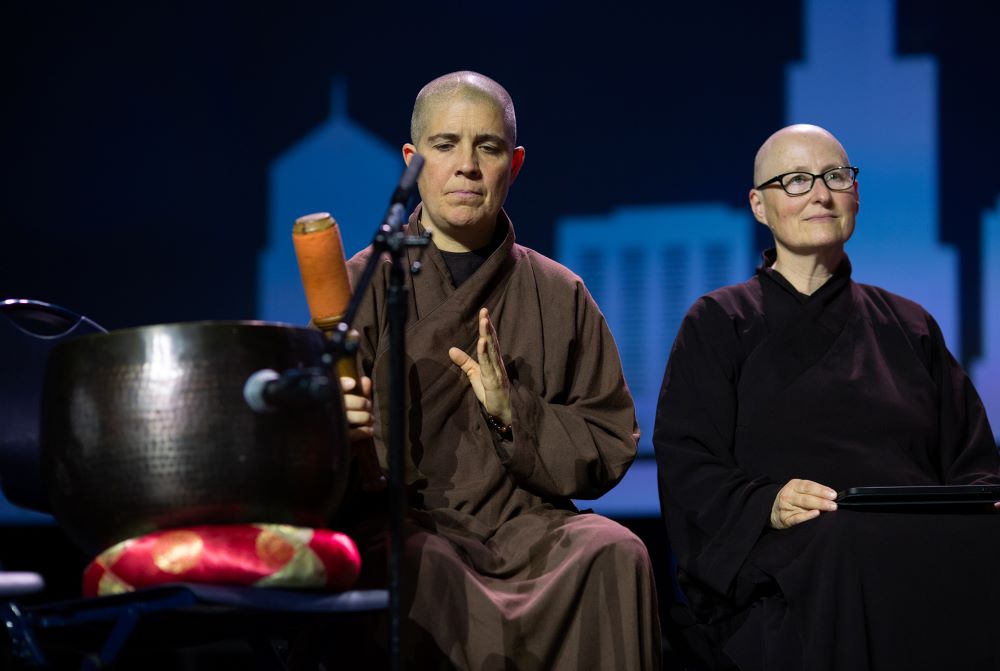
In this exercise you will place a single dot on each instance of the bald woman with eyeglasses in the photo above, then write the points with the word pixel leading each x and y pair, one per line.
pixel 792 386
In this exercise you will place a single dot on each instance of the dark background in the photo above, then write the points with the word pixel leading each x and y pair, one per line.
pixel 136 136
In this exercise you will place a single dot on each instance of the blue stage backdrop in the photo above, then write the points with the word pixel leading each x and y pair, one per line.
pixel 159 157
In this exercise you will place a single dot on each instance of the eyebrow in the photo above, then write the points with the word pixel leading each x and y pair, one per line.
pixel 831 166
pixel 477 140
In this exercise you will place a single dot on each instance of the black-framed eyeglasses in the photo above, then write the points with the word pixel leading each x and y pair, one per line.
pixel 840 178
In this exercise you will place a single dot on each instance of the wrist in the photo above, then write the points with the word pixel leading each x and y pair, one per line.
pixel 505 431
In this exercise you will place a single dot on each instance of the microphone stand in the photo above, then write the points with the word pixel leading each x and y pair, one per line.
pixel 390 239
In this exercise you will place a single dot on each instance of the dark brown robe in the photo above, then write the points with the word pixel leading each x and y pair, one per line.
pixel 502 572
pixel 850 386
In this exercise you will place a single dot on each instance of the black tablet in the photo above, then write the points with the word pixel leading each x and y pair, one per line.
pixel 928 498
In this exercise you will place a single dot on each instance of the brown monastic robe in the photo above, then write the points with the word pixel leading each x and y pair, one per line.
pixel 500 570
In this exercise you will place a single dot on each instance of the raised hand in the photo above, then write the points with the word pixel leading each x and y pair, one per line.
pixel 487 373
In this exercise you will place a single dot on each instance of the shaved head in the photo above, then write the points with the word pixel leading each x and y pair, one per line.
pixel 809 227
pixel 770 157
pixel 465 85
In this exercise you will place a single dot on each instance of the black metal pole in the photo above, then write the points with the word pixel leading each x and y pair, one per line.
pixel 391 239
pixel 396 304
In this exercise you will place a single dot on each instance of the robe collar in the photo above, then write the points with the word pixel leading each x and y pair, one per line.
pixel 837 281
pixel 502 242
pixel 830 305
pixel 433 289
pixel 801 329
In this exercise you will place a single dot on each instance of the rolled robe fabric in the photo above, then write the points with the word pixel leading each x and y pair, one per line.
pixel 258 555
pixel 320 254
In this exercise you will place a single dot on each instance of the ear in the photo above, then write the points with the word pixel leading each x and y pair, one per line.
pixel 857 198
pixel 757 206
pixel 517 160
pixel 408 151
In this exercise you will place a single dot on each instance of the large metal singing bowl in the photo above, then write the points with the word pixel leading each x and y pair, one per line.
pixel 147 428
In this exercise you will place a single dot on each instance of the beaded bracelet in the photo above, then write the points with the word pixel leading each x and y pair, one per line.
pixel 503 430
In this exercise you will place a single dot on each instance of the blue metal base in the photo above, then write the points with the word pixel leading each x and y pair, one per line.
pixel 16 583
pixel 123 613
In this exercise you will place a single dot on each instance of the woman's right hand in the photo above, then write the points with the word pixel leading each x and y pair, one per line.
pixel 801 500
pixel 360 429
pixel 358 408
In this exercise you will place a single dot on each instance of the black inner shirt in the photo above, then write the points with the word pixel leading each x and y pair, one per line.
pixel 462 265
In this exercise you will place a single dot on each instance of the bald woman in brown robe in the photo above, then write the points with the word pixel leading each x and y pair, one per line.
pixel 516 405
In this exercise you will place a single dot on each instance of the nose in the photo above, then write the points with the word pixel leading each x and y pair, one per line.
pixel 468 165
pixel 821 193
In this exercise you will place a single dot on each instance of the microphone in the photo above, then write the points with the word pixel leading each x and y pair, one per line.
pixel 396 216
pixel 408 180
pixel 266 390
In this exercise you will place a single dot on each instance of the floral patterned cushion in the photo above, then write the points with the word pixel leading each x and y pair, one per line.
pixel 261 555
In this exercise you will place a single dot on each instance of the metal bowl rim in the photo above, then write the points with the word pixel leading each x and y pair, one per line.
pixel 169 327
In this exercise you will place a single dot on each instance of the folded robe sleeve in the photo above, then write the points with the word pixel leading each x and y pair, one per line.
pixel 967 452
pixel 578 442
pixel 715 512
